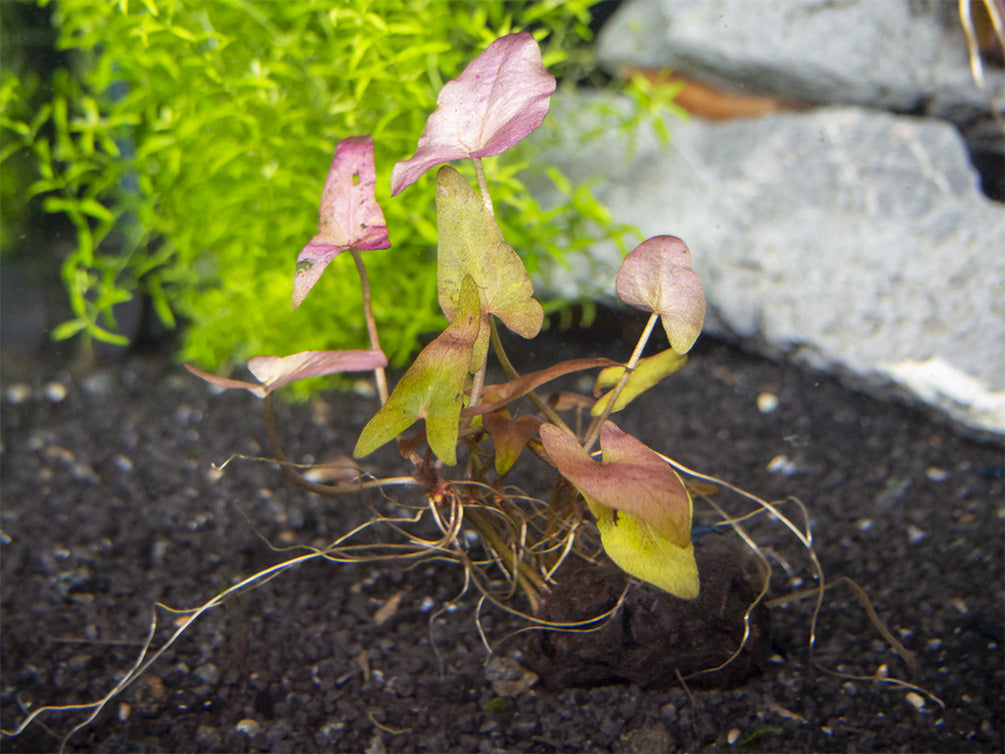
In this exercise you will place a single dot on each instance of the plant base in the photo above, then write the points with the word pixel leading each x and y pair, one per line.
pixel 653 636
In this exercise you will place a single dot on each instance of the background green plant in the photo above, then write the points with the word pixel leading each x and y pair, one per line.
pixel 189 144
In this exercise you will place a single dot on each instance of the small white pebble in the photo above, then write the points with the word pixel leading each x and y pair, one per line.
pixel 124 711
pixel 248 727
pixel 123 463
pixel 733 736
pixel 782 465
pixel 767 402
pixel 960 605
pixel 934 643
pixel 364 388
pixel 18 393
pixel 915 700
pixel 936 474
pixel 55 392
pixel 914 534
pixel 864 524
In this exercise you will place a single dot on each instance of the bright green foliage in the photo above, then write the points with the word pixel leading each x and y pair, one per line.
pixel 642 508
pixel 647 373
pixel 433 387
pixel 193 138
pixel 471 244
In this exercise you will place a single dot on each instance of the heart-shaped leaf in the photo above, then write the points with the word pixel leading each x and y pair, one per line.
pixel 433 387
pixel 500 97
pixel 471 243
pixel 351 218
pixel 657 277
pixel 647 373
pixel 275 371
pixel 642 508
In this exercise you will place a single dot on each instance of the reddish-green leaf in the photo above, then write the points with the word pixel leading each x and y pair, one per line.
pixel 275 371
pixel 642 508
pixel 509 436
pixel 351 218
pixel 657 277
pixel 432 388
pixel 507 392
pixel 500 97
pixel 471 243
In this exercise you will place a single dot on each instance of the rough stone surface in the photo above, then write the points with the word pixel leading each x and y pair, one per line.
pixel 857 241
pixel 656 636
pixel 896 54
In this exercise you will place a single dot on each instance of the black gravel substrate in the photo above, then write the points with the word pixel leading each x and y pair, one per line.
pixel 110 504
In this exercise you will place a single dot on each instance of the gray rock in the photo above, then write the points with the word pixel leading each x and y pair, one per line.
pixel 856 241
pixel 895 54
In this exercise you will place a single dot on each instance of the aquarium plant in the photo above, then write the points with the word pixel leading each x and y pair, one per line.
pixel 459 435
pixel 183 143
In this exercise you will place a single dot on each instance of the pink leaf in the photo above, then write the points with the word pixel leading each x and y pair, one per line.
pixel 499 98
pixel 275 371
pixel 657 277
pixel 350 215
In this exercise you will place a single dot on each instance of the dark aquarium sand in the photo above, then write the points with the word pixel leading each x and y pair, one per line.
pixel 110 504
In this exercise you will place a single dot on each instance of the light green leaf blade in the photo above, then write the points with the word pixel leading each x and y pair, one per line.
pixel 641 550
pixel 432 388
pixel 647 373
pixel 471 243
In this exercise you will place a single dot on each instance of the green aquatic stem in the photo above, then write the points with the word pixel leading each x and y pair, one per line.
pixel 513 374
pixel 594 431
pixel 483 185
pixel 371 324
pixel 483 190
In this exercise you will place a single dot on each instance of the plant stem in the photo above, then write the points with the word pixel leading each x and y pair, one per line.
pixel 596 424
pixel 510 370
pixel 483 185
pixel 526 578
pixel 478 384
pixel 371 324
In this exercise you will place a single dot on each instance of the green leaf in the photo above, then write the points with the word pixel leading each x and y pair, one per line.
pixel 433 387
pixel 640 549
pixel 642 507
pixel 68 329
pixel 471 243
pixel 647 373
